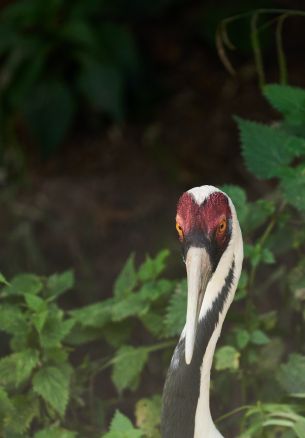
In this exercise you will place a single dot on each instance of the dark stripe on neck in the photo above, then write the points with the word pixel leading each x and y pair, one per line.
pixel 182 385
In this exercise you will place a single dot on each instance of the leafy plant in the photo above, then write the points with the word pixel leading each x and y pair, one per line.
pixel 53 384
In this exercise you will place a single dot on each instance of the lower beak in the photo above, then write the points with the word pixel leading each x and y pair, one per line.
pixel 198 268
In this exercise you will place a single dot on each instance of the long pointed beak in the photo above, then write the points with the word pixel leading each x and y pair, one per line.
pixel 198 268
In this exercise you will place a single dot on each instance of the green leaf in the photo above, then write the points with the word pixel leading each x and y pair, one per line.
pixel 239 199
pixel 52 384
pixel 94 315
pixel 128 365
pixel 267 256
pixel 227 357
pixel 55 432
pixel 267 150
pixel 176 311
pixel 57 284
pixel 290 101
pixel 299 428
pixel 3 280
pixel 25 409
pixel 148 413
pixel 25 284
pixel 242 338
pixel 134 305
pixel 258 337
pixel 153 322
pixel 17 367
pixel 293 185
pixel 258 213
pixel 121 427
pixel 6 407
pixel 152 268
pixel 12 320
pixel 35 303
pixel 49 113
pixel 126 280
pixel 55 329
pixel 292 375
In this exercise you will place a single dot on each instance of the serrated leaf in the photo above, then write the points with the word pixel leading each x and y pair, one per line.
pixel 6 406
pixel 55 329
pixel 176 311
pixel 55 432
pixel 35 303
pixel 293 186
pixel 94 315
pixel 126 280
pixel 153 322
pixel 52 384
pixel 26 408
pixel 267 150
pixel 153 290
pixel 128 365
pixel 133 305
pixel 121 427
pixel 290 101
pixel 148 413
pixel 227 358
pixel 12 320
pixel 58 284
pixel 258 337
pixel 292 374
pixel 24 284
pixel 152 268
pixel 17 367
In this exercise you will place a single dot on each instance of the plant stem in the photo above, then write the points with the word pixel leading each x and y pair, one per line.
pixel 257 50
pixel 233 412
pixel 148 349
pixel 280 50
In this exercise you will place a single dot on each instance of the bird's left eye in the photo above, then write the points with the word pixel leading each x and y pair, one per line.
pixel 222 226
pixel 180 231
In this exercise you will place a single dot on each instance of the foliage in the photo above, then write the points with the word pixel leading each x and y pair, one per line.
pixel 258 18
pixel 66 60
pixel 51 377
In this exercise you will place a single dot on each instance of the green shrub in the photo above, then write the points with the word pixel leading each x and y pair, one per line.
pixel 48 372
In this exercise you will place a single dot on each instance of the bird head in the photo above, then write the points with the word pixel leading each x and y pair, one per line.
pixel 206 223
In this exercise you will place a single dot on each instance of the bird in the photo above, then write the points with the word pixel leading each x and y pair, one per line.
pixel 212 249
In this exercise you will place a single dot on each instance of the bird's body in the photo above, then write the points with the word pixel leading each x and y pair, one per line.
pixel 213 251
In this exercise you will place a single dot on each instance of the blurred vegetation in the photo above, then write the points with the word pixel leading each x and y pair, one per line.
pixel 64 64
pixel 48 373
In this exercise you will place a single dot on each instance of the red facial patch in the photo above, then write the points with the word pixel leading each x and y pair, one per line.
pixel 205 217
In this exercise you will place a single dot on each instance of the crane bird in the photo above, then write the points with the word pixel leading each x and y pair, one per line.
pixel 212 248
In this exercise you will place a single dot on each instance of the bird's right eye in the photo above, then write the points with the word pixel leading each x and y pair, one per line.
pixel 179 230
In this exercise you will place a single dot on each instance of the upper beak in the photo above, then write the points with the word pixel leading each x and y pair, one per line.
pixel 199 270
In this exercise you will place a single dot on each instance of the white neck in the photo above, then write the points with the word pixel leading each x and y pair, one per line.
pixel 204 426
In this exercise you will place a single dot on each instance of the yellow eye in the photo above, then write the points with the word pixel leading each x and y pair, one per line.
pixel 222 226
pixel 179 229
